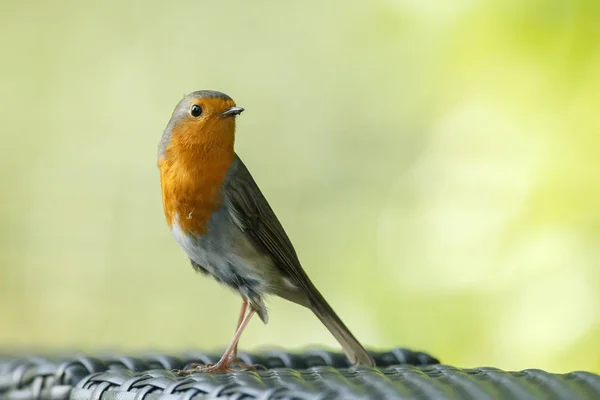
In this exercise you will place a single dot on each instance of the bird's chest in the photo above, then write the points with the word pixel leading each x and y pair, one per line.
pixel 191 196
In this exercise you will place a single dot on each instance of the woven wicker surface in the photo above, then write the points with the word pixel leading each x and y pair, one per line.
pixel 401 374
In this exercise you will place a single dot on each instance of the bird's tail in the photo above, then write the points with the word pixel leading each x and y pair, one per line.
pixel 355 352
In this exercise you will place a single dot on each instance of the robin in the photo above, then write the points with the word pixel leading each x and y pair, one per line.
pixel 224 224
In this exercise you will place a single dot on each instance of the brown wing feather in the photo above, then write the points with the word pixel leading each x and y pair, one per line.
pixel 256 218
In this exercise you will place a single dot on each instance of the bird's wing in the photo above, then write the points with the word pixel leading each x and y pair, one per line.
pixel 253 215
pixel 251 212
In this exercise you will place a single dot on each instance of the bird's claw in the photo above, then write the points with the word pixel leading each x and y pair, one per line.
pixel 204 369
pixel 217 368
pixel 242 366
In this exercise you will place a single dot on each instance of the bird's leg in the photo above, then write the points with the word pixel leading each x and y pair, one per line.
pixel 226 359
pixel 233 356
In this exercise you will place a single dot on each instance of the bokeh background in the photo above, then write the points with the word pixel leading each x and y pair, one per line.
pixel 435 164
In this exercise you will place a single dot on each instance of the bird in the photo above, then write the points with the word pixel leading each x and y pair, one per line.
pixel 225 226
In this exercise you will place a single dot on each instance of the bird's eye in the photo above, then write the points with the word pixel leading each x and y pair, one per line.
pixel 195 111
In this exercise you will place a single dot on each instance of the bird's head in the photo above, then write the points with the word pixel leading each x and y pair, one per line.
pixel 202 121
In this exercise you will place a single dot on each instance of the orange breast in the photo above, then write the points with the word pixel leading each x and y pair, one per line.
pixel 191 179
pixel 192 196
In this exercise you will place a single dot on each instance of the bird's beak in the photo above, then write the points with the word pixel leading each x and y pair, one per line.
pixel 231 112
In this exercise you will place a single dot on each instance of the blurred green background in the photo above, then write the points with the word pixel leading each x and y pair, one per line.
pixel 435 164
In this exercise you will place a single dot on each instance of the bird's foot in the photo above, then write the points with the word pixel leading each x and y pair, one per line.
pixel 217 368
pixel 242 366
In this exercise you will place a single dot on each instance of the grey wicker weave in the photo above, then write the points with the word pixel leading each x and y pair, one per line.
pixel 401 374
